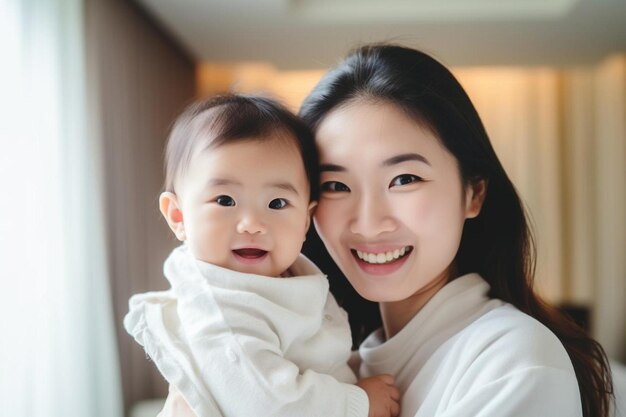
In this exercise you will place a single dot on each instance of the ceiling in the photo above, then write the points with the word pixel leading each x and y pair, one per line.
pixel 310 34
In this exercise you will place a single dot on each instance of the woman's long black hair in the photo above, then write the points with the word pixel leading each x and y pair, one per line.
pixel 498 243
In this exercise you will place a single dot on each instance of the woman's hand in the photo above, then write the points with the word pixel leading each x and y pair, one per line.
pixel 175 405
pixel 383 395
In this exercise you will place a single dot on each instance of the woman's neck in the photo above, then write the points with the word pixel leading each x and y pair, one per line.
pixel 397 314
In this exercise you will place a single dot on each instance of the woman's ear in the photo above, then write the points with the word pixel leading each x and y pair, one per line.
pixel 475 194
pixel 170 209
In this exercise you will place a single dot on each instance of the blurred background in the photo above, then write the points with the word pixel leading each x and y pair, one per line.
pixel 89 89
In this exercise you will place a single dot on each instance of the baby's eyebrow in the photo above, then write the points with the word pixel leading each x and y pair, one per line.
pixel 287 186
pixel 214 182
pixel 405 157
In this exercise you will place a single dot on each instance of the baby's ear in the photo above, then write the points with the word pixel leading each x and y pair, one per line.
pixel 311 210
pixel 170 209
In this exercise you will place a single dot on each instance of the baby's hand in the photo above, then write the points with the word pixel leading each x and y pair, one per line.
pixel 383 395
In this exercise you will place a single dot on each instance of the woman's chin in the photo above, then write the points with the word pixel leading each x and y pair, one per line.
pixel 376 292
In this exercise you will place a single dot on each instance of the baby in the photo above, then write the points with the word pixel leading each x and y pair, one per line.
pixel 248 326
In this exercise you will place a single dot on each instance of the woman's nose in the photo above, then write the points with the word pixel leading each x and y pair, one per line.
pixel 251 223
pixel 372 217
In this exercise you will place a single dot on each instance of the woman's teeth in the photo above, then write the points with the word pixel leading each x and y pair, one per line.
pixel 383 257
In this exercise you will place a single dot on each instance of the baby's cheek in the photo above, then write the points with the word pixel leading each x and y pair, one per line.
pixel 211 242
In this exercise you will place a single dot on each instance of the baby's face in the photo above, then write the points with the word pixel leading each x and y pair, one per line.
pixel 245 205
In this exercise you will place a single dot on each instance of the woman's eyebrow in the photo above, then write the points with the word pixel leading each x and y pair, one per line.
pixel 405 157
pixel 332 168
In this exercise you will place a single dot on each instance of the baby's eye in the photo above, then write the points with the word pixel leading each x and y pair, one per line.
pixel 278 203
pixel 404 179
pixel 334 187
pixel 225 200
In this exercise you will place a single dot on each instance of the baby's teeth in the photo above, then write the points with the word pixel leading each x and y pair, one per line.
pixel 396 253
pixel 371 258
pixel 402 250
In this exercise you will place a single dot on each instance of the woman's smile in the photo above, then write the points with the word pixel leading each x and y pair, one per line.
pixel 381 263
pixel 383 257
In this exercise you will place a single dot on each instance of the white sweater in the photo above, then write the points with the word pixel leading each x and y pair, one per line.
pixel 239 344
pixel 467 355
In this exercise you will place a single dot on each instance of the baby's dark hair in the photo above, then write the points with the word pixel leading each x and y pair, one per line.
pixel 231 118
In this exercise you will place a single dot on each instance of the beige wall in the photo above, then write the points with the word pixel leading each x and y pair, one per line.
pixel 138 81
pixel 290 87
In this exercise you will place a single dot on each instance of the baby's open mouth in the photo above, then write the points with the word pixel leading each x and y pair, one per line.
pixel 382 257
pixel 249 253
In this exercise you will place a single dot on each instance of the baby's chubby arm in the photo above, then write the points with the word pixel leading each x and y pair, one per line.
pixel 232 374
pixel 249 374
pixel 239 367
pixel 240 374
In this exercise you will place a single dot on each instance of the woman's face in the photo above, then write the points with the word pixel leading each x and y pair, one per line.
pixel 393 206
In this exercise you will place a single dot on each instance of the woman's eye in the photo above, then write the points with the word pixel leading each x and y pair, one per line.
pixel 404 179
pixel 278 203
pixel 224 200
pixel 334 187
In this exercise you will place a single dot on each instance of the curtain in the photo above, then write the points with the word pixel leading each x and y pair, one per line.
pixel 57 350
pixel 520 110
pixel 561 136
pixel 139 80
pixel 609 199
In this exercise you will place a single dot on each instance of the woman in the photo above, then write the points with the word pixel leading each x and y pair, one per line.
pixel 419 215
